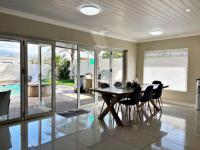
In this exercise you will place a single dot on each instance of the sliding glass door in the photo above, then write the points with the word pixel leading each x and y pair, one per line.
pixel 104 67
pixel 10 80
pixel 86 75
pixel 66 77
pixel 110 67
pixel 32 71
pixel 39 78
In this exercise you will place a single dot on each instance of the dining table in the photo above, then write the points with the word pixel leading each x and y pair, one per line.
pixel 118 93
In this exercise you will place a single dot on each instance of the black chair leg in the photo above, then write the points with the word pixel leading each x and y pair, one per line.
pixel 137 109
pixel 142 112
pixel 156 102
pixel 129 112
pixel 118 108
pixel 149 107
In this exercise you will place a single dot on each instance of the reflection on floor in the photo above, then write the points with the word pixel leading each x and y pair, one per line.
pixel 176 128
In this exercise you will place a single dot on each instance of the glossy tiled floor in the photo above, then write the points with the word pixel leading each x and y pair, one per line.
pixel 177 128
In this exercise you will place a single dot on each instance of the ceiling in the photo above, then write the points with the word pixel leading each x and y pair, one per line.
pixel 125 19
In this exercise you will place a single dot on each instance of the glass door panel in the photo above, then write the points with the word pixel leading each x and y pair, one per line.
pixel 103 69
pixel 10 80
pixel 66 79
pixel 39 57
pixel 117 66
pixel 87 76
pixel 46 76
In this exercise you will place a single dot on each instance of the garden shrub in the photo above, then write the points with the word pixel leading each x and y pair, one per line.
pixel 62 68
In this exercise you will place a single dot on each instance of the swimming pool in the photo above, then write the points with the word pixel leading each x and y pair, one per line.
pixel 15 89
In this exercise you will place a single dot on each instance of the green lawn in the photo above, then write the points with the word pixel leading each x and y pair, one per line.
pixel 65 82
pixel 61 82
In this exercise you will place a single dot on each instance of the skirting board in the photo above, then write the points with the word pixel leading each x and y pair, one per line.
pixel 179 103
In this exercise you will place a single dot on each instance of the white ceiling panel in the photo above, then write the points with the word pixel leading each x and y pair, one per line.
pixel 125 19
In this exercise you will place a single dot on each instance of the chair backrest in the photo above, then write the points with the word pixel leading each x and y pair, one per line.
pixel 135 85
pixel 158 91
pixel 105 85
pixel 156 82
pixel 118 84
pixel 128 85
pixel 136 95
pixel 148 93
pixel 4 102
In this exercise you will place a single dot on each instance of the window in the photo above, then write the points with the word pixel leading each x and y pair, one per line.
pixel 168 66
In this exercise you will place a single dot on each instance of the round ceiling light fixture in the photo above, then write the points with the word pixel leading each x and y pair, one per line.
pixel 188 10
pixel 89 10
pixel 156 32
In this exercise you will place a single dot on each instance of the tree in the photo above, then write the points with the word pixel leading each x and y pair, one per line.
pixel 116 54
pixel 62 68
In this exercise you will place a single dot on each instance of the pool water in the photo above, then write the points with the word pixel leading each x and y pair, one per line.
pixel 15 89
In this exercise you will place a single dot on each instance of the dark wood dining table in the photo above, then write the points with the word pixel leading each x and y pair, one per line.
pixel 118 93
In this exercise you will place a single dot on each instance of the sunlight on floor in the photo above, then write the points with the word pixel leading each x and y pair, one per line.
pixel 74 95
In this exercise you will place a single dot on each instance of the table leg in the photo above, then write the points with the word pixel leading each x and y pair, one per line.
pixel 110 107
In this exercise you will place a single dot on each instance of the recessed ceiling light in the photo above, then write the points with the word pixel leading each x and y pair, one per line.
pixel 156 32
pixel 188 10
pixel 89 10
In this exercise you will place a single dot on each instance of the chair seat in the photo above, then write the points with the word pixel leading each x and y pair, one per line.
pixel 143 99
pixel 155 97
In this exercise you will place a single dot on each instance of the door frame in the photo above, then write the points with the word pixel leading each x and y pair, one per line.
pixel 10 38
pixel 72 48
pixel 97 50
pixel 93 49
pixel 38 41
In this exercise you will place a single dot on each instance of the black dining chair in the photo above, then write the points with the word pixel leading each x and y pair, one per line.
pixel 118 84
pixel 156 82
pixel 133 100
pixel 105 85
pixel 157 95
pixel 128 85
pixel 147 97
pixel 107 96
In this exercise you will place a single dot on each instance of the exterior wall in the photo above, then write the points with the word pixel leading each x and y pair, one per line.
pixel 193 45
pixel 25 27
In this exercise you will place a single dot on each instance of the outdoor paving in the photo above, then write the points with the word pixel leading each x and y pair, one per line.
pixel 65 101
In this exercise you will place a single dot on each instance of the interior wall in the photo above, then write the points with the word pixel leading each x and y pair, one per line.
pixel 25 27
pixel 193 45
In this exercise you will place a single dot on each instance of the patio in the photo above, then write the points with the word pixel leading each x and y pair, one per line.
pixel 66 99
